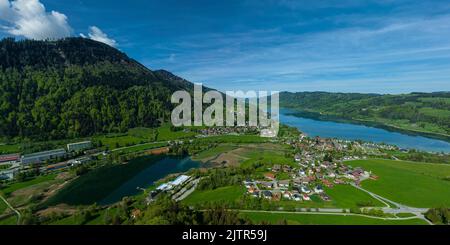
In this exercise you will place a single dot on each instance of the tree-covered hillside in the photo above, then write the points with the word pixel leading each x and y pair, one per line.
pixel 419 112
pixel 77 87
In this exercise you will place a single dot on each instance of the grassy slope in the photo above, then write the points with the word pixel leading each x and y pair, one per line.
pixel 11 220
pixel 320 219
pixel 214 151
pixel 228 193
pixel 6 149
pixel 16 186
pixel 410 183
pixel 347 196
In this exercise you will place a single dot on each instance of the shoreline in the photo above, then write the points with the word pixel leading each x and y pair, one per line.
pixel 390 128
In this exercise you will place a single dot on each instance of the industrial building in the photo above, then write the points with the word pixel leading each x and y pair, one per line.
pixel 79 146
pixel 10 158
pixel 39 157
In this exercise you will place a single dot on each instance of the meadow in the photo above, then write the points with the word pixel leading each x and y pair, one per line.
pixel 21 185
pixel 222 194
pixel 415 184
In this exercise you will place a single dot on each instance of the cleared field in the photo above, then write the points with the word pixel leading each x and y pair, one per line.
pixel 222 194
pixel 325 219
pixel 117 141
pixel 16 186
pixel 347 196
pixel 411 183
pixel 214 151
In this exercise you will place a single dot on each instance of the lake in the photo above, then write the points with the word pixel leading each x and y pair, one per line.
pixel 348 131
pixel 109 184
pixel 145 178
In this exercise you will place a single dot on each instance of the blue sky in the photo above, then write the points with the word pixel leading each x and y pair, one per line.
pixel 344 45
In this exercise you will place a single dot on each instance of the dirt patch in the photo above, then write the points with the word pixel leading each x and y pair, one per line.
pixel 58 209
pixel 158 151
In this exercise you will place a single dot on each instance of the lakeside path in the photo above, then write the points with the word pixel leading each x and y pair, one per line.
pixel 12 208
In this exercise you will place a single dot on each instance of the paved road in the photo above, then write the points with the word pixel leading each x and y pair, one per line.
pixel 400 208
pixel 12 208
pixel 322 213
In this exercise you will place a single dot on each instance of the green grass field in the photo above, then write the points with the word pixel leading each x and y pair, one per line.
pixel 142 147
pixel 3 206
pixel 347 196
pixel 11 220
pixel 233 139
pixel 6 149
pixel 98 183
pixel 16 186
pixel 325 219
pixel 164 133
pixel 222 194
pixel 411 183
pixel 214 151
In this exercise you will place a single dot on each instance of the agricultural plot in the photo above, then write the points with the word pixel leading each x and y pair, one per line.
pixel 219 195
pixel 415 184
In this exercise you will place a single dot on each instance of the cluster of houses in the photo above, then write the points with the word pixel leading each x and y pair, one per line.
pixel 303 181
pixel 213 131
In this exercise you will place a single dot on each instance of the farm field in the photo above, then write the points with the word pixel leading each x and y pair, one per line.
pixel 325 219
pixel 222 194
pixel 11 220
pixel 6 149
pixel 204 155
pixel 142 147
pixel 411 183
pixel 164 133
pixel 347 196
pixel 17 186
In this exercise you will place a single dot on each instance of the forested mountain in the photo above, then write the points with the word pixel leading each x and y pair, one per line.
pixel 420 112
pixel 77 87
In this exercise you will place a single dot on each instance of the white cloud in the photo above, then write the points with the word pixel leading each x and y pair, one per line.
pixel 28 18
pixel 98 35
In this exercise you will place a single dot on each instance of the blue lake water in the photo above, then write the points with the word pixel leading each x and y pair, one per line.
pixel 348 131
pixel 146 177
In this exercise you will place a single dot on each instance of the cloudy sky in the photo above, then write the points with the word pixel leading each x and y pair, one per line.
pixel 379 46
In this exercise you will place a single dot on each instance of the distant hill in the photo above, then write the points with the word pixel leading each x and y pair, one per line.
pixel 423 113
pixel 77 87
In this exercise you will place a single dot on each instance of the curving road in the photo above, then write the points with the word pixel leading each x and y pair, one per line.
pixel 12 208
